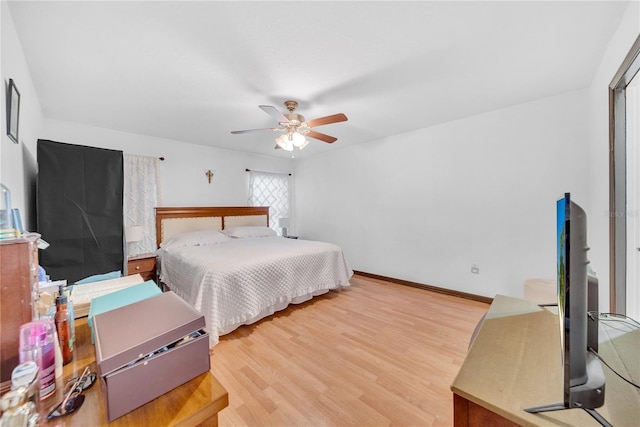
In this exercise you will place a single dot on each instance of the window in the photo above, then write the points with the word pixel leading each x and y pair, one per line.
pixel 271 189
pixel 141 196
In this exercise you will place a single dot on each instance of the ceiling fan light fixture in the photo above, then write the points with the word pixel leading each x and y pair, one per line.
pixel 284 142
pixel 304 144
pixel 295 128
pixel 298 139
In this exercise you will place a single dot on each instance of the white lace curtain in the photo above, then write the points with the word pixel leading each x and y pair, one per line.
pixel 141 196
pixel 271 189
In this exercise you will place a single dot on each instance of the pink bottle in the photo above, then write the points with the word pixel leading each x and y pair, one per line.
pixel 37 343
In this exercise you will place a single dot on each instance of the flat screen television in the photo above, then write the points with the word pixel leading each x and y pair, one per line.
pixel 583 377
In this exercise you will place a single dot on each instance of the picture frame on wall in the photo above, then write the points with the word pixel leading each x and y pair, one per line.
pixel 13 111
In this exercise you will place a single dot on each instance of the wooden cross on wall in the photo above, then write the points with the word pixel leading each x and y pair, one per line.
pixel 209 175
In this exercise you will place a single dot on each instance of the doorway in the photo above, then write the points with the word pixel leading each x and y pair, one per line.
pixel 624 191
pixel 633 197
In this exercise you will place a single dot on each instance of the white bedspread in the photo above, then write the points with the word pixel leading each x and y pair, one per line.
pixel 243 280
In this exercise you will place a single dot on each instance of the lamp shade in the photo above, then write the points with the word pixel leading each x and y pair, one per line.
pixel 298 139
pixel 134 233
pixel 283 222
pixel 284 142
pixel 304 144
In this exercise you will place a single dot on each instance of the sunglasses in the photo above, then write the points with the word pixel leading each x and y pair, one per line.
pixel 73 397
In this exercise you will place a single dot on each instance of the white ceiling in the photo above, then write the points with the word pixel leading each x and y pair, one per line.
pixel 194 71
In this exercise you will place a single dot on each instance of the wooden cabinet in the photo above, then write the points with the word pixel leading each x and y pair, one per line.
pixel 145 265
pixel 18 286
pixel 515 362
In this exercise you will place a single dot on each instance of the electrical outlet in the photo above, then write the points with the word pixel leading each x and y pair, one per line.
pixel 475 269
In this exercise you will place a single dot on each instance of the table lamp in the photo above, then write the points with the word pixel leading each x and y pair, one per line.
pixel 134 233
pixel 283 223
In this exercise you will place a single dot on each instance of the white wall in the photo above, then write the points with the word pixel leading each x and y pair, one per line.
pixel 426 205
pixel 183 179
pixel 18 161
pixel 621 43
pixel 182 173
pixel 422 206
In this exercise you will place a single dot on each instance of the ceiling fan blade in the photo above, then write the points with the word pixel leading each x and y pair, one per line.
pixel 273 112
pixel 327 120
pixel 235 132
pixel 321 136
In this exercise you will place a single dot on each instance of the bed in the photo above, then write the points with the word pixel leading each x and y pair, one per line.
pixel 230 266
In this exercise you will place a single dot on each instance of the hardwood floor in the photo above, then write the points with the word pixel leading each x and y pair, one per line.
pixel 374 354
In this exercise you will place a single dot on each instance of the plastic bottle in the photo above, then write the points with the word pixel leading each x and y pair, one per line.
pixel 62 327
pixel 72 323
pixel 58 352
pixel 37 344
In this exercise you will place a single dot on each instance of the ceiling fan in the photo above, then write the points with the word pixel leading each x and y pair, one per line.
pixel 294 128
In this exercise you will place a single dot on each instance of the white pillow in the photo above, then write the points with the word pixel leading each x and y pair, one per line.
pixel 194 238
pixel 249 231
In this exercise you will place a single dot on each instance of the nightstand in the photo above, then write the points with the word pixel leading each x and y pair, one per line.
pixel 144 264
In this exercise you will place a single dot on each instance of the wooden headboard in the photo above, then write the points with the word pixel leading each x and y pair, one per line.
pixel 181 219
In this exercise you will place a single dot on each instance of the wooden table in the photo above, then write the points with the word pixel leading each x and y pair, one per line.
pixel 196 402
pixel 515 363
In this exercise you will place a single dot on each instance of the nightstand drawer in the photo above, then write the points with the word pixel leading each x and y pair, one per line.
pixel 143 265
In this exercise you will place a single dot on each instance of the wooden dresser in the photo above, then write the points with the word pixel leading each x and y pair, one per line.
pixel 144 264
pixel 18 285
pixel 515 362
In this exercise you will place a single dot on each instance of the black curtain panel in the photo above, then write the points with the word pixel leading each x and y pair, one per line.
pixel 79 209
